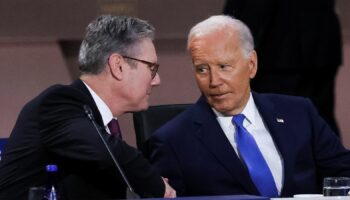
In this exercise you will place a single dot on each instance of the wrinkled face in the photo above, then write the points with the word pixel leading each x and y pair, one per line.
pixel 222 72
pixel 139 79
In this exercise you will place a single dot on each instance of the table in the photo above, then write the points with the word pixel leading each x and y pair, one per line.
pixel 313 198
pixel 221 197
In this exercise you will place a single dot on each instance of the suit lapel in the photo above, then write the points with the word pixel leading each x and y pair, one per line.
pixel 279 127
pixel 211 135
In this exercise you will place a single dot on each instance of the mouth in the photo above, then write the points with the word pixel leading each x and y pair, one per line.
pixel 218 96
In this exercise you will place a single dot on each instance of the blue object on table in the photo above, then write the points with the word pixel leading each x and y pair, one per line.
pixel 3 142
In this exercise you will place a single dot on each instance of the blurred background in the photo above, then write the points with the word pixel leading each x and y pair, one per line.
pixel 39 43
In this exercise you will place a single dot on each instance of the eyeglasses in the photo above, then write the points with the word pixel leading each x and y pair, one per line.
pixel 152 66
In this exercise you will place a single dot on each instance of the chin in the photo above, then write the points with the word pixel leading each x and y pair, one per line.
pixel 143 107
pixel 222 108
pixel 138 108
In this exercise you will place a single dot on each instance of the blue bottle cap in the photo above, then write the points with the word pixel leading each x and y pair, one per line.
pixel 51 168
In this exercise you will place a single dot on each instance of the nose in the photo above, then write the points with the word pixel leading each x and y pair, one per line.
pixel 156 80
pixel 215 78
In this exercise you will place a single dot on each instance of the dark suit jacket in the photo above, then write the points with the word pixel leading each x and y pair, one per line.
pixel 292 34
pixel 194 153
pixel 53 128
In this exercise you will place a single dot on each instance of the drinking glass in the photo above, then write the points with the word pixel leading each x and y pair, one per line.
pixel 336 186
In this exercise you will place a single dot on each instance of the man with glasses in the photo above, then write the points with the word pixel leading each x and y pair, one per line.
pixel 118 65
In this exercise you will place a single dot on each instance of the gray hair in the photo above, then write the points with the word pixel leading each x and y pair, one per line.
pixel 223 22
pixel 110 34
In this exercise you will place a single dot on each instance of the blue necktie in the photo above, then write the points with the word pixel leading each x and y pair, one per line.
pixel 253 159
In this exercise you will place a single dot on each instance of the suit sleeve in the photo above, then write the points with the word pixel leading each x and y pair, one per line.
pixel 73 142
pixel 164 159
pixel 332 158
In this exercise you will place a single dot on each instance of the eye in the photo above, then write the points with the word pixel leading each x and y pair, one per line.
pixel 202 69
pixel 152 67
pixel 225 67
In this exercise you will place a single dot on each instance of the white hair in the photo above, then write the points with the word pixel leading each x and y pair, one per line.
pixel 227 23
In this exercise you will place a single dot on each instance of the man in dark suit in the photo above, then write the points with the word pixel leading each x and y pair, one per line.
pixel 119 67
pixel 299 47
pixel 235 141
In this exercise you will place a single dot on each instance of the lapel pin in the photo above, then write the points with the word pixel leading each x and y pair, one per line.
pixel 280 120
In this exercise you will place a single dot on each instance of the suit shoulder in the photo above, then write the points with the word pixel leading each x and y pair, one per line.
pixel 177 125
pixel 286 104
pixel 285 99
pixel 60 93
pixel 55 97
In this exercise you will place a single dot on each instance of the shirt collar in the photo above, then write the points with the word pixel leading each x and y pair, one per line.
pixel 102 107
pixel 249 111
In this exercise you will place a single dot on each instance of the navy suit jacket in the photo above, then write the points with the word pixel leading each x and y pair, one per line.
pixel 54 128
pixel 194 153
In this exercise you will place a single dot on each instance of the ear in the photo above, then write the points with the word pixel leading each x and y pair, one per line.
pixel 253 64
pixel 114 63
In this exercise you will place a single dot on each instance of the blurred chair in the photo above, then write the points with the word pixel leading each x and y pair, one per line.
pixel 146 122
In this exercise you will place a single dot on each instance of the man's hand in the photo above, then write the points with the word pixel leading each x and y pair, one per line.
pixel 169 191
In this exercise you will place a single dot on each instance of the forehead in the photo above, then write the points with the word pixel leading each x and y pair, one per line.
pixel 220 44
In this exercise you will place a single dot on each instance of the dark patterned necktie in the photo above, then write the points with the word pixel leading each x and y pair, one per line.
pixel 114 128
pixel 249 151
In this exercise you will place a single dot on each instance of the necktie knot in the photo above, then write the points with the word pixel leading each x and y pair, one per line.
pixel 238 120
pixel 114 128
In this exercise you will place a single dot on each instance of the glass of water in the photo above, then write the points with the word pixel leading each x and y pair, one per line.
pixel 336 186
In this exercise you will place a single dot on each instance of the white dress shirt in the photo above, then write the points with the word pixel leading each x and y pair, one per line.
pixel 256 127
pixel 102 107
